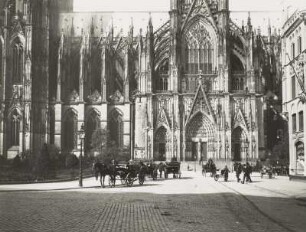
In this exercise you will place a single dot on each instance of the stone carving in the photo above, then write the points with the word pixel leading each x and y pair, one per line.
pixel 162 118
pixel 117 97
pixel 94 97
pixel 300 69
pixel 16 27
pixel 253 126
pixel 201 103
pixel 74 96
pixel 201 8
pixel 239 119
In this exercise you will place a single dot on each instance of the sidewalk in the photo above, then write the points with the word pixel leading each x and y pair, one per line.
pixel 279 186
pixel 69 185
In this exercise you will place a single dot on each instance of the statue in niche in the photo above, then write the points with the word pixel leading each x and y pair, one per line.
pixel 74 96
pixel 94 97
pixel 117 97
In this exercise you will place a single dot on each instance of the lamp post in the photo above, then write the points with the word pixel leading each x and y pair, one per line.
pixel 81 136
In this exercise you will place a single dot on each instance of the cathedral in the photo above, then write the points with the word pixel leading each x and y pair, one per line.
pixel 188 87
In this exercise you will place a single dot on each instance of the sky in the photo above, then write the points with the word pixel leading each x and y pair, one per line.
pixel 261 11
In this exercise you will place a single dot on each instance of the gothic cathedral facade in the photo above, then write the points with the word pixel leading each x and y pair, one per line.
pixel 190 89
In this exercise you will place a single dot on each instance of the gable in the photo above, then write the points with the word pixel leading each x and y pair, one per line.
pixel 201 103
pixel 239 120
pixel 202 9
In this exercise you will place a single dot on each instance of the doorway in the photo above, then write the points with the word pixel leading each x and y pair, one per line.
pixel 204 151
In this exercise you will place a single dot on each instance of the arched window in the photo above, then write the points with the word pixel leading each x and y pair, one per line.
pixel 116 128
pixel 52 125
pixel 17 62
pixel 238 76
pixel 15 128
pixel 70 131
pixel 198 51
pixel 92 124
pixel 163 76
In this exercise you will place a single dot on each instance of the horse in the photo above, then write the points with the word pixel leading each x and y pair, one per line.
pixel 104 170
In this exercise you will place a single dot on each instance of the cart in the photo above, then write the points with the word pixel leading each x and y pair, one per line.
pixel 135 172
pixel 174 168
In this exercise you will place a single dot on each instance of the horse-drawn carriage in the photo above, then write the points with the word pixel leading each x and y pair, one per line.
pixel 172 168
pixel 136 171
pixel 209 167
pixel 269 171
pixel 127 174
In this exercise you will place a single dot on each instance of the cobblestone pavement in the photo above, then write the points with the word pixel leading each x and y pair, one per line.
pixel 193 203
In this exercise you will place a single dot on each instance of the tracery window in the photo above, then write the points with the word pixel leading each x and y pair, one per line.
pixel 163 76
pixel 198 51
pixel 238 75
pixel 199 57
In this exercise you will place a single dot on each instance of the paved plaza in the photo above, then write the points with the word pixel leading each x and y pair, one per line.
pixel 193 203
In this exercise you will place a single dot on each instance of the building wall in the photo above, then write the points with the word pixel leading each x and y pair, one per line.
pixel 294 88
pixel 136 82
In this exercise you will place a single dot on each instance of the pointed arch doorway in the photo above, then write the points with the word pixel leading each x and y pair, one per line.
pixel 239 144
pixel 199 132
pixel 161 144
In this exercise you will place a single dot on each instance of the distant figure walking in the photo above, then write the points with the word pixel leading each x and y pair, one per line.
pixel 225 172
pixel 238 170
pixel 247 172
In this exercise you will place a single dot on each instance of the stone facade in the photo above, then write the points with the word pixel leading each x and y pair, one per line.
pixel 294 71
pixel 189 88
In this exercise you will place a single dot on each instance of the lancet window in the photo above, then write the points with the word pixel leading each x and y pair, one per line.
pixel 15 127
pixel 17 65
pixel 116 128
pixel 70 131
pixel 163 76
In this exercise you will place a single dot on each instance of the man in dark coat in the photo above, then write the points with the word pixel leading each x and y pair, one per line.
pixel 238 171
pixel 247 172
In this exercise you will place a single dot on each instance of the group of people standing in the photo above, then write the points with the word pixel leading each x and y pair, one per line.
pixel 239 168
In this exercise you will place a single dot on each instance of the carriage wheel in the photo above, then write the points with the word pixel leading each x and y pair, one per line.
pixel 129 180
pixel 123 181
pixel 216 177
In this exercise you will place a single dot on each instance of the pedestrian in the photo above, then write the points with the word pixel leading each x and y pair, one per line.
pixel 161 169
pixel 247 172
pixel 225 173
pixel 238 171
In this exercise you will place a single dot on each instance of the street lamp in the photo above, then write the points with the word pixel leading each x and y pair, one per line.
pixel 81 136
